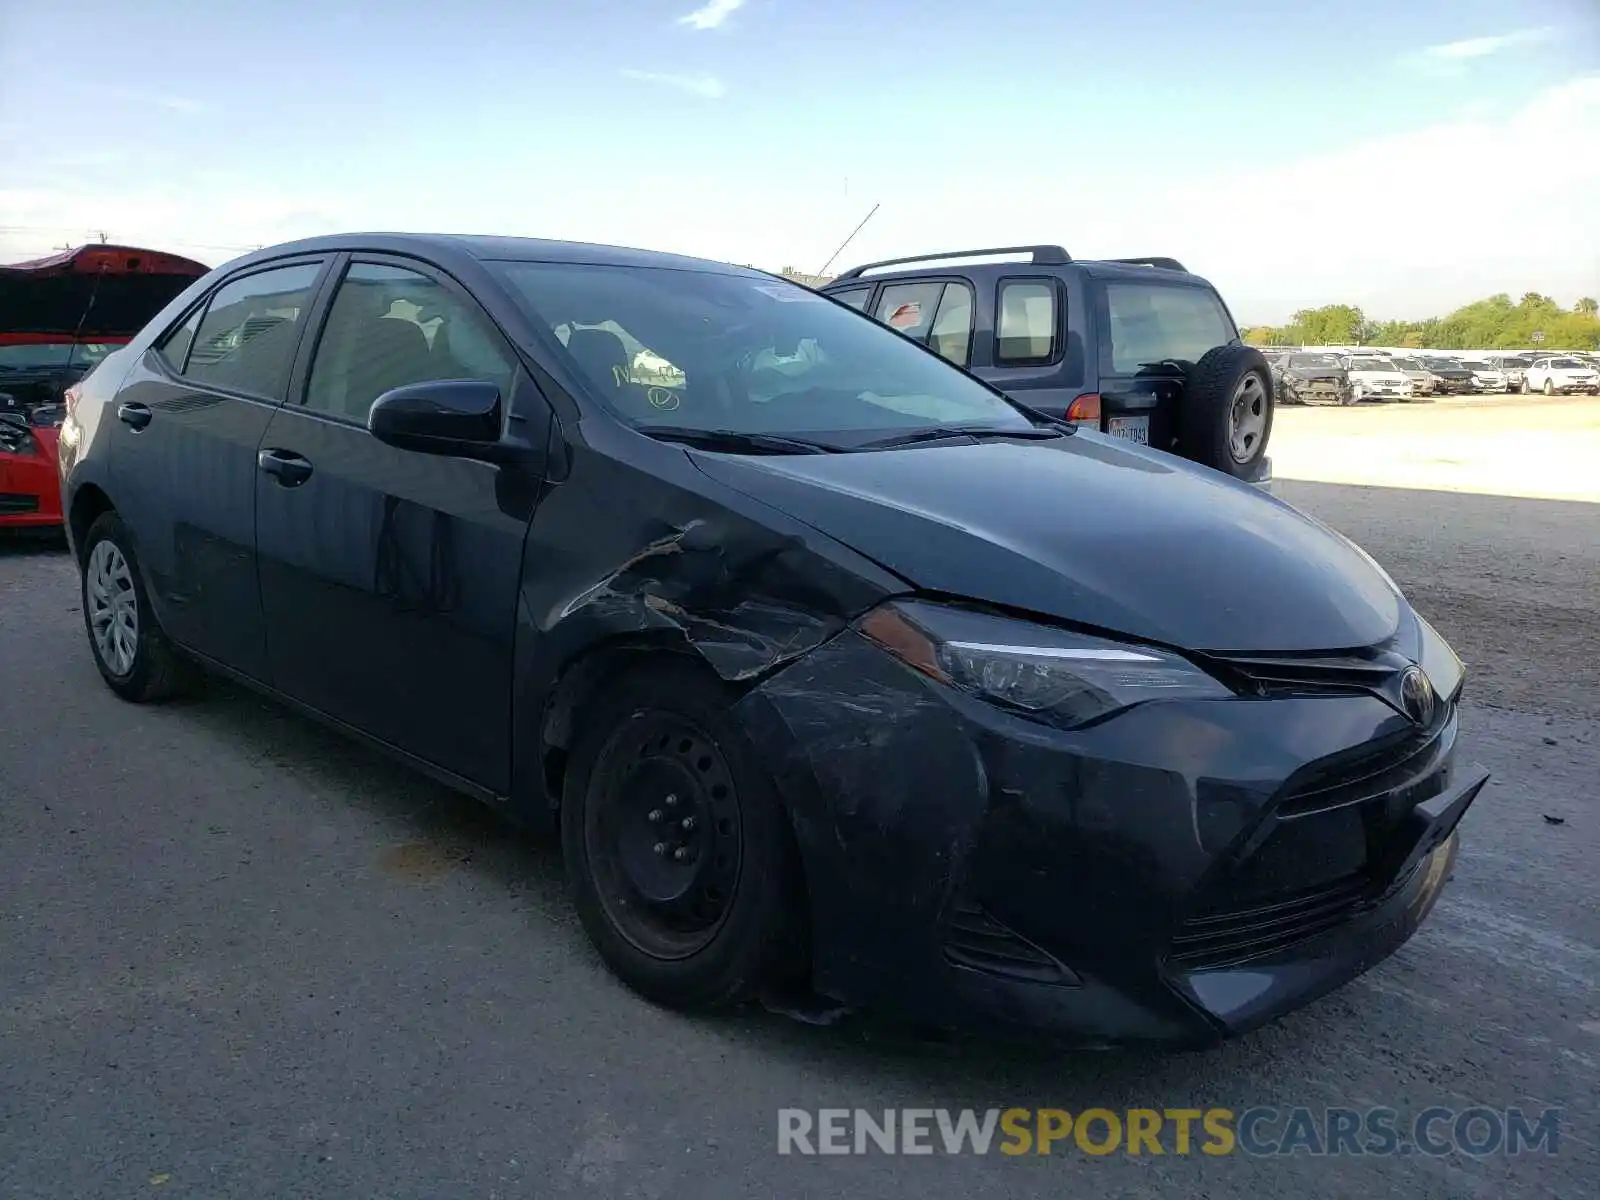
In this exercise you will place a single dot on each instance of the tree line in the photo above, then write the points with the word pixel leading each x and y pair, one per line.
pixel 1496 323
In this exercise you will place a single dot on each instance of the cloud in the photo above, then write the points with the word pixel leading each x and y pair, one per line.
pixel 711 14
pixel 172 103
pixel 1453 57
pixel 707 87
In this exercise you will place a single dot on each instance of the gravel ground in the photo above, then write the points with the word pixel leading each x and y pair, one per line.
pixel 243 958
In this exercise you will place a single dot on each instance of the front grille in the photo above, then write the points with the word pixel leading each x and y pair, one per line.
pixel 974 939
pixel 14 504
pixel 1227 938
pixel 1331 847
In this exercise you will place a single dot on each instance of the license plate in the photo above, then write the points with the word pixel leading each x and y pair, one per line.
pixel 1130 429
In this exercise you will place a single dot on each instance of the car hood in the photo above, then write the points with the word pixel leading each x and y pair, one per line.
pixel 1091 531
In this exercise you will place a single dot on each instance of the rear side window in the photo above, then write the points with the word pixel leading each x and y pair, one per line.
pixel 175 346
pixel 1025 326
pixel 951 336
pixel 1152 323
pixel 856 298
pixel 247 338
pixel 909 307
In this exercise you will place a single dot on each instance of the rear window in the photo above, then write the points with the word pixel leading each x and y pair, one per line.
pixel 45 356
pixel 1152 323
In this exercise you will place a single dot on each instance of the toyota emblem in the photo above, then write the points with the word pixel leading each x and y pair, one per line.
pixel 1416 695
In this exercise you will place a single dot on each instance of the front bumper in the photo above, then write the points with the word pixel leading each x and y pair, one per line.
pixel 1163 876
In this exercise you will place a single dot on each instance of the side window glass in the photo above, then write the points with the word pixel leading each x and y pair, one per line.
pixel 909 308
pixel 174 348
pixel 247 338
pixel 951 337
pixel 389 327
pixel 856 298
pixel 1026 326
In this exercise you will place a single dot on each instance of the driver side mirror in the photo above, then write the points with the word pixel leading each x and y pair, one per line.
pixel 460 418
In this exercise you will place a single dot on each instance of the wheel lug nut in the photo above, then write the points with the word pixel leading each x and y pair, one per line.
pixel 660 848
pixel 687 823
pixel 672 800
pixel 681 854
pixel 656 814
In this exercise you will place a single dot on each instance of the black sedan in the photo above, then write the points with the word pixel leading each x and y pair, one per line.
pixel 834 668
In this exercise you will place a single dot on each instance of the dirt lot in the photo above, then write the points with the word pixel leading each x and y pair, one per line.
pixel 1502 549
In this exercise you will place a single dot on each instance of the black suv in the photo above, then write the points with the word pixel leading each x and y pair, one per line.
pixel 1138 348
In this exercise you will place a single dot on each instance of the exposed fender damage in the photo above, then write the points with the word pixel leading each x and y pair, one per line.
pixel 744 592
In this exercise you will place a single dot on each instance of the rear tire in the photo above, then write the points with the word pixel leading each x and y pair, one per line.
pixel 678 851
pixel 130 648
pixel 1226 410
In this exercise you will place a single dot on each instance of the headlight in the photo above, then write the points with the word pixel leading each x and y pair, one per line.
pixel 1439 662
pixel 1054 675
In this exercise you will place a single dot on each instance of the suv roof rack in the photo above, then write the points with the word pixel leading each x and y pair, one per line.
pixel 1166 264
pixel 1042 256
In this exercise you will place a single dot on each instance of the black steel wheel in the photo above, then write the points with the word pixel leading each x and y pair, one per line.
pixel 678 852
pixel 662 835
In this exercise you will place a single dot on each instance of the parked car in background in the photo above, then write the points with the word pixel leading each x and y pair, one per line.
pixel 1562 375
pixel 835 668
pixel 1485 378
pixel 1512 366
pixel 59 318
pixel 1313 379
pixel 1422 380
pixel 1449 376
pixel 1138 348
pixel 1375 377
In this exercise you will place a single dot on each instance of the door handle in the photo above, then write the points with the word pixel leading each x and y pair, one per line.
pixel 287 467
pixel 135 415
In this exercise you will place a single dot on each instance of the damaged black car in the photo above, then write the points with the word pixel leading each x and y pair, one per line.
pixel 834 668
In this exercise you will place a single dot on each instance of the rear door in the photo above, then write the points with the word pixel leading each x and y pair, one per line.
pixel 188 419
pixel 1149 333
pixel 389 577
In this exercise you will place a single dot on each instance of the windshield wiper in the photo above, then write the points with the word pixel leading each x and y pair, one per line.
pixel 939 432
pixel 735 441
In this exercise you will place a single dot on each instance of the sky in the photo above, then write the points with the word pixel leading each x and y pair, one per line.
pixel 1407 156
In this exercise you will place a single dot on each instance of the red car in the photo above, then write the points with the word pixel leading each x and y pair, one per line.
pixel 59 317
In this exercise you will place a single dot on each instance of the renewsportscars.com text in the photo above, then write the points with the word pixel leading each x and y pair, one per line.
pixel 1258 1131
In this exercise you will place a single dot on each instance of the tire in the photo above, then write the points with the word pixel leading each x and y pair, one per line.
pixel 1226 410
pixel 659 744
pixel 1549 387
pixel 1525 388
pixel 138 662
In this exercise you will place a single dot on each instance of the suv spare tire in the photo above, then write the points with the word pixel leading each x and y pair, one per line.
pixel 1225 413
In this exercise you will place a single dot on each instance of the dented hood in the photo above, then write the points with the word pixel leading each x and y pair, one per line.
pixel 1089 531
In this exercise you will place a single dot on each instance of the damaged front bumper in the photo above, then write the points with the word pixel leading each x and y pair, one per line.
pixel 1180 872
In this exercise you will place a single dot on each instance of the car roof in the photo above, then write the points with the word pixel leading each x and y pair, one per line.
pixel 444 247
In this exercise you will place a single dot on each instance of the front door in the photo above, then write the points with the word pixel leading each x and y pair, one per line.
pixel 389 577
pixel 189 418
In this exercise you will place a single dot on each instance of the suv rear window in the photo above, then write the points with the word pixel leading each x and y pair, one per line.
pixel 1153 323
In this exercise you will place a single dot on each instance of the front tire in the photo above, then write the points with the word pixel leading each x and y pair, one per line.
pixel 130 648
pixel 678 852
pixel 1549 387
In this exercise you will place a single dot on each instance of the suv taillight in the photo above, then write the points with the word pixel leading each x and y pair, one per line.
pixel 1085 410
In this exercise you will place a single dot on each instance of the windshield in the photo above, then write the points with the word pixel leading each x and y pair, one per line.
pixel 1473 364
pixel 710 351
pixel 1369 364
pixel 1566 364
pixel 1312 360
pixel 1408 364
pixel 45 356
